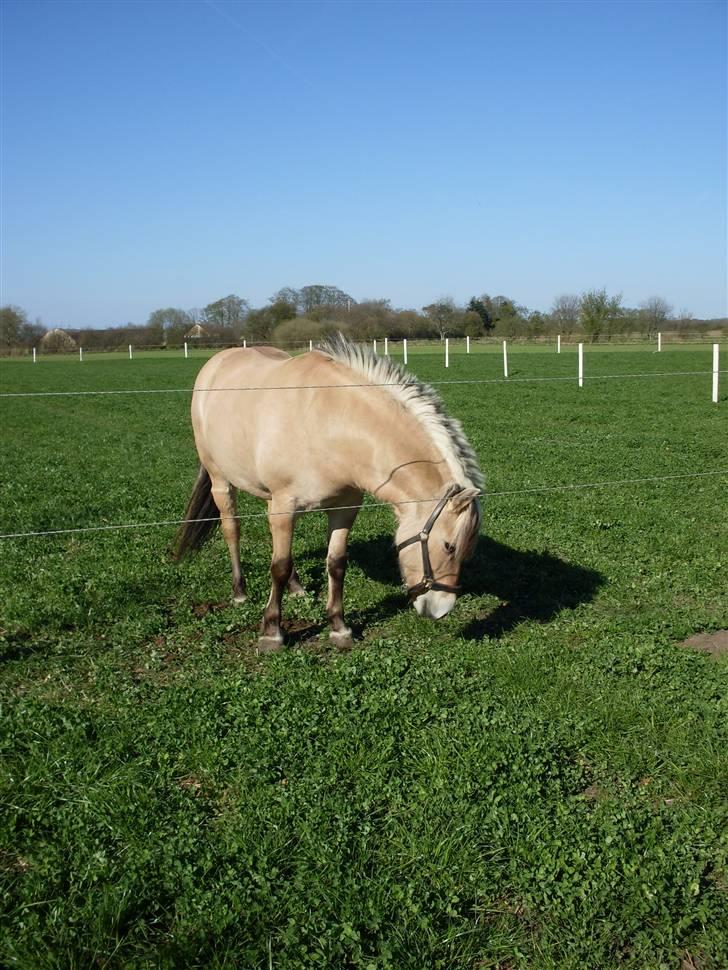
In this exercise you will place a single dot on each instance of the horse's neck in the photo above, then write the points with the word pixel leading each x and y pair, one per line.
pixel 408 467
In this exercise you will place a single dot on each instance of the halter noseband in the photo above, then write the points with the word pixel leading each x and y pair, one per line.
pixel 428 581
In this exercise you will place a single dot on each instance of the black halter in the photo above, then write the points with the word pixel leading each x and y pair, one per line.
pixel 428 581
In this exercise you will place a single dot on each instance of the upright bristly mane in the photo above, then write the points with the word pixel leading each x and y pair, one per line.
pixel 421 400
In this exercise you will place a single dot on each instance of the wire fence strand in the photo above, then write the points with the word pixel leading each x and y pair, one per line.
pixel 318 387
pixel 365 506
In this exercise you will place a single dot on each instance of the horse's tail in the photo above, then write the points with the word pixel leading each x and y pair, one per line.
pixel 201 518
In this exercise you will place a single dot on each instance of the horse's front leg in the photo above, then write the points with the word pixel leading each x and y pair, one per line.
pixel 340 523
pixel 281 521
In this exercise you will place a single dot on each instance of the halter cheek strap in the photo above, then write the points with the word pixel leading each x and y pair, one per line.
pixel 428 580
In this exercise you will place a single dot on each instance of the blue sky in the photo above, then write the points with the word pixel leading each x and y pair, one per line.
pixel 170 153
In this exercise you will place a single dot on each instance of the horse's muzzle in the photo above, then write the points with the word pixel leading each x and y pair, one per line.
pixel 434 604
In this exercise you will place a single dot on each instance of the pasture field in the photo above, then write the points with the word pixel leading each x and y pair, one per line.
pixel 538 780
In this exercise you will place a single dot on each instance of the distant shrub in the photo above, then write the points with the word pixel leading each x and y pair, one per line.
pixel 57 342
pixel 303 329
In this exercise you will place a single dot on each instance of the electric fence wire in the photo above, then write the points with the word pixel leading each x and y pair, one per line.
pixel 318 387
pixel 365 507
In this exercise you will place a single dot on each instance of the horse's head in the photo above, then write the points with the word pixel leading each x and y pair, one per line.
pixel 433 541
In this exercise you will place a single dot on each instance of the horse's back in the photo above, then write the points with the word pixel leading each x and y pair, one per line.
pixel 257 368
pixel 236 364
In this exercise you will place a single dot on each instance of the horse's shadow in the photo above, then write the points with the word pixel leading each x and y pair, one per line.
pixel 529 585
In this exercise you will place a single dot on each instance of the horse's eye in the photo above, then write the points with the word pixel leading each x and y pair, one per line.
pixel 449 548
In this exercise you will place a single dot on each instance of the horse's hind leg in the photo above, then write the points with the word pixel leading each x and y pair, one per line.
pixel 294 585
pixel 225 498
pixel 281 521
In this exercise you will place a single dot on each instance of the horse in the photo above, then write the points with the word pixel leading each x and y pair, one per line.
pixel 317 431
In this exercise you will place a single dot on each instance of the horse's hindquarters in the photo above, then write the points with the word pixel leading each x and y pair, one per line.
pixel 226 416
pixel 273 425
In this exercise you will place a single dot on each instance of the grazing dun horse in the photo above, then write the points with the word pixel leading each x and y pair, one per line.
pixel 318 431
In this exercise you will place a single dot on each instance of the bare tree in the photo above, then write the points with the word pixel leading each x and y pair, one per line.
pixel 442 315
pixel 565 312
pixel 684 321
pixel 654 312
pixel 320 294
pixel 170 324
pixel 287 294
pixel 228 313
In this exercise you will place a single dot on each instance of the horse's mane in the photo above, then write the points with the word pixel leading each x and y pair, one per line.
pixel 421 400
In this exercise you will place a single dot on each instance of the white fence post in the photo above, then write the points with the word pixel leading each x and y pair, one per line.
pixel 33 354
pixel 375 346
pixel 245 345
pixel 505 359
pixel 310 345
pixel 130 355
pixel 558 344
pixel 581 365
pixel 186 355
pixel 659 342
pixel 447 351
pixel 386 346
pixel 467 345
pixel 405 349
pixel 80 353
pixel 715 373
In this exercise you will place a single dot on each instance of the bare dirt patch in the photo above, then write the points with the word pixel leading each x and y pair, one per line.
pixel 202 609
pixel 191 784
pixel 715 644
pixel 300 626
pixel 694 961
pixel 594 793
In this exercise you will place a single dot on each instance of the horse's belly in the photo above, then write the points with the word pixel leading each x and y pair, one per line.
pixel 228 450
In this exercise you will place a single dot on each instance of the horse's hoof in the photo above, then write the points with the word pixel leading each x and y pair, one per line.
pixel 270 644
pixel 342 639
pixel 300 591
pixel 240 598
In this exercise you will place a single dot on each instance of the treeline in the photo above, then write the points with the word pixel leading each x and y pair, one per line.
pixel 295 316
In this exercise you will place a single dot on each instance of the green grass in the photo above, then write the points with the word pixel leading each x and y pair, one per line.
pixel 538 780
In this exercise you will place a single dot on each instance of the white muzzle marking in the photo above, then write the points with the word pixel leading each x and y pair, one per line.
pixel 434 604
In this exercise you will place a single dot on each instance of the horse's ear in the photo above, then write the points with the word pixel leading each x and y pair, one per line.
pixel 461 500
